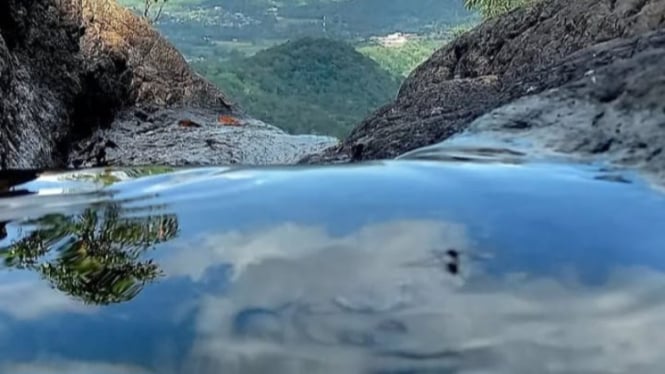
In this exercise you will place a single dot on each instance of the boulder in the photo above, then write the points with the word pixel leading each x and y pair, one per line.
pixel 520 53
pixel 192 137
pixel 614 113
pixel 40 82
pixel 73 71
pixel 127 47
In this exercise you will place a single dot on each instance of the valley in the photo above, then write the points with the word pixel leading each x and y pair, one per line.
pixel 351 56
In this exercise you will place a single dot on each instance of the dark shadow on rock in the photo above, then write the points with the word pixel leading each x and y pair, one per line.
pixel 524 52
pixel 11 178
pixel 69 67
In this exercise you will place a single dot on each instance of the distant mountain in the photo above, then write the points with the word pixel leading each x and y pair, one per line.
pixel 309 85
pixel 195 21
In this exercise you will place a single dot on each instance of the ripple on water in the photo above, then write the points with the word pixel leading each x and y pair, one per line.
pixel 461 263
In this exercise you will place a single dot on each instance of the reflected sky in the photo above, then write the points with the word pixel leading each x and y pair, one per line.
pixel 344 269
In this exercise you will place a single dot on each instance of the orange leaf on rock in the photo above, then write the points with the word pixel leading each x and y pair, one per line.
pixel 227 120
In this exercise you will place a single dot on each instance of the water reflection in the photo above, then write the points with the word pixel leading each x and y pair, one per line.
pixel 305 301
pixel 95 256
pixel 472 267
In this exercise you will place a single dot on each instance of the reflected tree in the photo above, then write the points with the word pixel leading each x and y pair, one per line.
pixel 95 256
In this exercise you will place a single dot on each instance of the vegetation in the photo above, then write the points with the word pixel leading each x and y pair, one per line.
pixel 309 85
pixel 492 8
pixel 108 176
pixel 400 61
pixel 96 256
pixel 203 23
pixel 153 9
pixel 315 86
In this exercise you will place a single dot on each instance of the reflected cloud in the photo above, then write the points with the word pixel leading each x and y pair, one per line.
pixel 304 301
pixel 401 241
pixel 29 300
pixel 70 367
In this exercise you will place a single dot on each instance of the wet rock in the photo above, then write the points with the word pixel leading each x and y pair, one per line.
pixel 180 137
pixel 614 112
pixel 521 53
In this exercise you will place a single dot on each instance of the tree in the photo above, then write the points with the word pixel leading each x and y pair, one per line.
pixel 149 11
pixel 95 256
pixel 492 8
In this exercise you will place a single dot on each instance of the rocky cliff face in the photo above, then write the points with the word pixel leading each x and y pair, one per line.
pixel 72 71
pixel 40 81
pixel 525 52
pixel 154 72
pixel 614 113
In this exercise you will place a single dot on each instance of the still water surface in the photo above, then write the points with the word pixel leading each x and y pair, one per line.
pixel 410 266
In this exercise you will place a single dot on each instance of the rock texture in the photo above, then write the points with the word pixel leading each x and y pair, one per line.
pixel 147 65
pixel 40 81
pixel 192 137
pixel 521 53
pixel 71 70
pixel 614 113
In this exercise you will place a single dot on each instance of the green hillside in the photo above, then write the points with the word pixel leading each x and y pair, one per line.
pixel 317 86
pixel 197 26
pixel 401 60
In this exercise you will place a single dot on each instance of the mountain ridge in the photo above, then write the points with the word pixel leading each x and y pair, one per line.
pixel 308 85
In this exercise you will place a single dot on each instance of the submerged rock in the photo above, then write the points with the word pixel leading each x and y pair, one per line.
pixel 554 43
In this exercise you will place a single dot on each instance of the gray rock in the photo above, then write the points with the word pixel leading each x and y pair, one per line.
pixel 615 113
pixel 39 82
pixel 520 53
pixel 180 137
pixel 72 73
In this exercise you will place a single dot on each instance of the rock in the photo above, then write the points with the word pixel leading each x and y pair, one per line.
pixel 150 67
pixel 40 82
pixel 614 113
pixel 517 54
pixel 77 75
pixel 179 137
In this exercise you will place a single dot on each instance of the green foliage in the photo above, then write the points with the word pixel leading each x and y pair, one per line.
pixel 457 30
pixel 323 87
pixel 400 61
pixel 312 86
pixel 95 256
pixel 153 9
pixel 492 8
pixel 108 176
pixel 188 22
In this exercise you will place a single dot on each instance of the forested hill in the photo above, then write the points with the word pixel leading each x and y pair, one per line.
pixel 306 86
pixel 310 85
pixel 272 19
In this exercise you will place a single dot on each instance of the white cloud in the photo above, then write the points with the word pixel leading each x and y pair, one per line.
pixel 323 295
pixel 397 241
pixel 70 367
pixel 33 299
